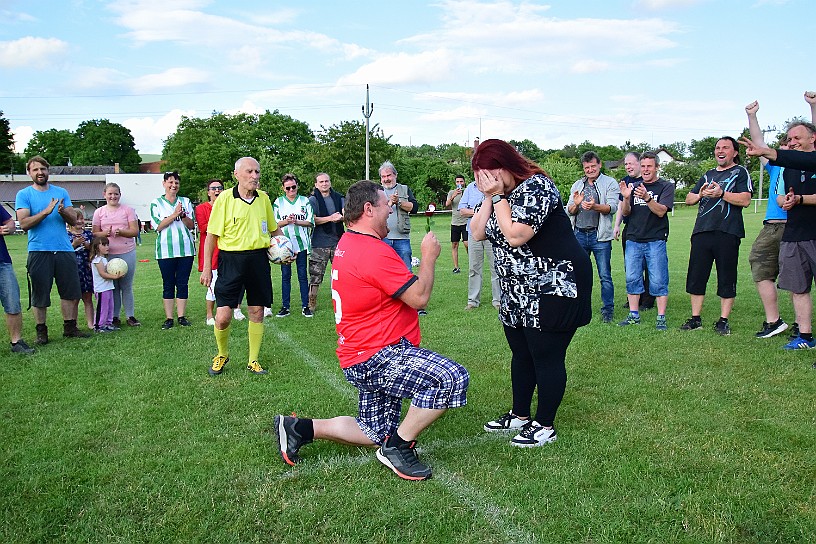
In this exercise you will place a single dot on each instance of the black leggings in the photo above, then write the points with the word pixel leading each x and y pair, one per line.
pixel 538 360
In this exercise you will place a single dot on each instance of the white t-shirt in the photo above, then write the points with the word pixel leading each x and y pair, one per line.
pixel 100 284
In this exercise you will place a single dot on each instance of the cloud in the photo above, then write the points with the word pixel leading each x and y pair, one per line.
pixel 171 78
pixel 22 134
pixel 31 50
pixel 656 5
pixel 589 66
pixel 403 69
pixel 150 132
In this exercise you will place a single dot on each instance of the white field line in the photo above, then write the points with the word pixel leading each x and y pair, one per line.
pixel 500 518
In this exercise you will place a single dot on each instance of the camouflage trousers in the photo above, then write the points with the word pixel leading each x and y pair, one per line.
pixel 319 259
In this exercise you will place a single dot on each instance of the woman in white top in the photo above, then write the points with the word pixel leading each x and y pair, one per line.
pixel 175 247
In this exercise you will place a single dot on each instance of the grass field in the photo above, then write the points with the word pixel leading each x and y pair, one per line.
pixel 663 437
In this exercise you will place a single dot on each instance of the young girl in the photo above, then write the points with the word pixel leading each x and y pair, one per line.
pixel 81 240
pixel 103 285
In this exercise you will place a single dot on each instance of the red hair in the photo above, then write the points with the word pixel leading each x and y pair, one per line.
pixel 494 154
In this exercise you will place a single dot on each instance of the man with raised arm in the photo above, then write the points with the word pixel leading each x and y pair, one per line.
pixel 376 298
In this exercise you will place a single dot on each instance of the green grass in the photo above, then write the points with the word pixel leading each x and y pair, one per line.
pixel 663 437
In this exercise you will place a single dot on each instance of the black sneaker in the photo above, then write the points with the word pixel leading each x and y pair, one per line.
pixel 21 347
pixel 284 312
pixel 422 312
pixel 289 440
pixel 505 422
pixel 183 321
pixel 403 461
pixel 117 322
pixel 168 324
pixel 457 271
pixel 722 327
pixel 692 324
pixel 794 331
pixel 606 317
pixel 533 435
pixel 307 312
pixel 772 329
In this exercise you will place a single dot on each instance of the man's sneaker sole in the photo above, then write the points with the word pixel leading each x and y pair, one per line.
pixel 532 443
pixel 385 461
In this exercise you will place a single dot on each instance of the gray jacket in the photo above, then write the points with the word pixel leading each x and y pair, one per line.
pixel 609 193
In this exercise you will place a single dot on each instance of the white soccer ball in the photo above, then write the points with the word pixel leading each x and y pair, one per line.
pixel 117 265
pixel 280 250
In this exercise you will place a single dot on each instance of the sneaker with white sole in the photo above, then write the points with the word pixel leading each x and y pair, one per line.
pixel 505 422
pixel 238 315
pixel 772 329
pixel 283 312
pixel 403 460
pixel 268 312
pixel 533 435
pixel 210 321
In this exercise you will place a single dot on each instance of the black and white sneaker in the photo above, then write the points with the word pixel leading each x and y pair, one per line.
pixel 533 435
pixel 289 440
pixel 772 329
pixel 794 331
pixel 505 422
pixel 403 461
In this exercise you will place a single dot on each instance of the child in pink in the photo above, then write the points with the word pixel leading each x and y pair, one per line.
pixel 103 284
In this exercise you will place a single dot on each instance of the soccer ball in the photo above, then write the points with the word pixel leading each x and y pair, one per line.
pixel 117 265
pixel 280 250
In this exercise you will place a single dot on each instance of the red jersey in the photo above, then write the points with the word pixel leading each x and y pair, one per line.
pixel 367 278
pixel 202 216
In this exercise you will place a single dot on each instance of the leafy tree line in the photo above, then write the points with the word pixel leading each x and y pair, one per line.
pixel 204 148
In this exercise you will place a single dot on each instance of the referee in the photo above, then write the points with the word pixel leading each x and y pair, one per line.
pixel 239 225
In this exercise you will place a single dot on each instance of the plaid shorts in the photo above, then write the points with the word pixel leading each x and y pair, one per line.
pixel 399 372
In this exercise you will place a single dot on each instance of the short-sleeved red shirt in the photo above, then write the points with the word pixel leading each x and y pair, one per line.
pixel 367 278
pixel 202 215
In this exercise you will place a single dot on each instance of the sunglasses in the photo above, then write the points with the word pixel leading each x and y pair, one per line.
pixel 217 188
pixel 291 188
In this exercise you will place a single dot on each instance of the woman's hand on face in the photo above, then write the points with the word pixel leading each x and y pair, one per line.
pixel 488 183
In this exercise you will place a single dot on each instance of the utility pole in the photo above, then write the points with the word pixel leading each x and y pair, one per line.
pixel 368 109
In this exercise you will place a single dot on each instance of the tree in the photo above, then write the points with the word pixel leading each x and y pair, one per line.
pixel 55 146
pixel 205 148
pixel 700 150
pixel 101 142
pixel 339 150
pixel 7 156
pixel 563 172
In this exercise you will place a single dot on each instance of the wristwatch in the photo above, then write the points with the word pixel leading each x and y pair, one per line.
pixel 495 199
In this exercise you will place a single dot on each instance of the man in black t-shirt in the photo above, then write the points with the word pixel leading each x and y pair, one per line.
pixel 646 205
pixel 722 193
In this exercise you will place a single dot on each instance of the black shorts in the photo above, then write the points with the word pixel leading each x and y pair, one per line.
pixel 239 270
pixel 706 249
pixel 46 266
pixel 458 232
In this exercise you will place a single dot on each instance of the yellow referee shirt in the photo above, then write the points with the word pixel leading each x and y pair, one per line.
pixel 241 225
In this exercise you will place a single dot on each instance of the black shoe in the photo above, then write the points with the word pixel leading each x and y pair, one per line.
pixel 772 329
pixel 289 440
pixel 183 321
pixel 794 331
pixel 70 330
pixel 722 327
pixel 21 347
pixel 117 322
pixel 133 322
pixel 168 324
pixel 606 316
pixel 692 324
pixel 403 461
pixel 42 334
pixel 283 312
pixel 307 312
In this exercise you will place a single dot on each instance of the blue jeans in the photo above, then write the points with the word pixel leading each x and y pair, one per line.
pixel 303 281
pixel 657 262
pixel 403 249
pixel 603 261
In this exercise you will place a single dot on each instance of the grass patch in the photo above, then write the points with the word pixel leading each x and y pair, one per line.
pixel 663 437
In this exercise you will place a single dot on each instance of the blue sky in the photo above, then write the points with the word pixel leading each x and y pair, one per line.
pixel 654 71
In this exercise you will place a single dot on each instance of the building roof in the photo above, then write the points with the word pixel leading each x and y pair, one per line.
pixel 81 170
pixel 87 191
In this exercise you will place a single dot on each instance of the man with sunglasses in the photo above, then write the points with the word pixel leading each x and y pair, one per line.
pixel 295 218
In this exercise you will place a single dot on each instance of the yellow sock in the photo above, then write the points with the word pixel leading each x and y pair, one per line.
pixel 222 340
pixel 255 332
